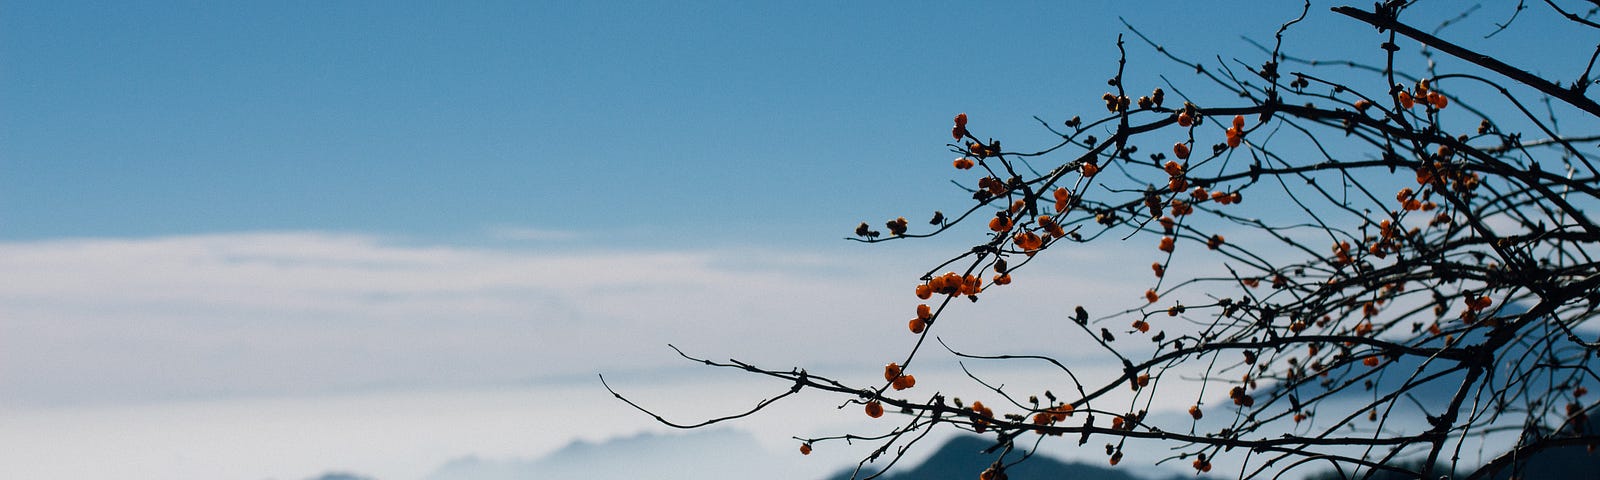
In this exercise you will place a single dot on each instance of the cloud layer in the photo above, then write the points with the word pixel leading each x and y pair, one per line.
pixel 271 313
pixel 107 320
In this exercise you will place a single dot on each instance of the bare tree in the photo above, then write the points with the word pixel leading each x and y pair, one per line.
pixel 1400 250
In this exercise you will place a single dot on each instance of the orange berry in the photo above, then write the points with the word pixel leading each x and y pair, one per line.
pixel 1050 226
pixel 963 163
pixel 1479 303
pixel 999 224
pixel 1002 279
pixel 971 285
pixel 1438 100
pixel 1180 150
pixel 1178 183
pixel 1061 413
pixel 874 409
pixel 1089 169
pixel 1167 244
pixel 1199 194
pixel 1181 208
pixel 891 371
pixel 1041 418
pixel 1160 270
pixel 1028 241
pixel 951 282
pixel 1173 168
pixel 924 291
pixel 1406 101
pixel 1370 361
pixel 1238 122
pixel 917 325
pixel 1141 325
pixel 1194 411
pixel 1235 197
pixel 904 382
pixel 1184 119
pixel 1151 295
pixel 805 449
pixel 961 120
pixel 993 185
pixel 924 311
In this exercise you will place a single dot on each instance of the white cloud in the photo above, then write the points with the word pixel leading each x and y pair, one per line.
pixel 268 313
pixel 109 320
pixel 202 324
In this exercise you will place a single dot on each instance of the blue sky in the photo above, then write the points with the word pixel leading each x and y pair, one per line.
pixel 689 121
pixel 205 206
pixel 434 120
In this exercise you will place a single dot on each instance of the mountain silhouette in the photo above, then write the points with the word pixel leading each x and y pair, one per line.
pixel 962 458
pixel 699 454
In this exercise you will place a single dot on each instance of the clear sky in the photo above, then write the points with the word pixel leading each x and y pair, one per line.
pixel 689 120
pixel 235 201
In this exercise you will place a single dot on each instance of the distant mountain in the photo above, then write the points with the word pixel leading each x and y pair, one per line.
pixel 1575 461
pixel 1438 392
pixel 1572 462
pixel 341 476
pixel 696 455
pixel 962 458
pixel 1564 462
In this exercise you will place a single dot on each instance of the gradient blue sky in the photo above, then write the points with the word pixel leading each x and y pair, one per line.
pixel 691 120
pixel 236 201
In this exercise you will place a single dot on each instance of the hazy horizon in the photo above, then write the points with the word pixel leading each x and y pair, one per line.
pixel 279 239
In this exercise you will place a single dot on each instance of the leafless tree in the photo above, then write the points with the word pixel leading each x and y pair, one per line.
pixel 1405 245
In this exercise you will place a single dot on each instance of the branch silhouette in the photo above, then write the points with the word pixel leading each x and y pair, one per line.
pixel 1394 289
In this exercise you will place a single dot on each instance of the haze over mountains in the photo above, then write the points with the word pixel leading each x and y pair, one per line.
pixel 715 454
pixel 696 455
